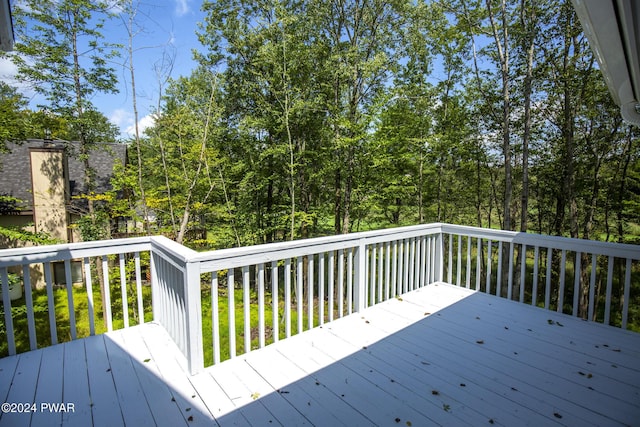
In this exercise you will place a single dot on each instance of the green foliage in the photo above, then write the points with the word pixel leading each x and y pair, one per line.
pixel 331 119
pixel 13 119
pixel 62 53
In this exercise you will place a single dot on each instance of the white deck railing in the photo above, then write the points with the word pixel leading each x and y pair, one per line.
pixel 572 276
pixel 35 267
pixel 286 288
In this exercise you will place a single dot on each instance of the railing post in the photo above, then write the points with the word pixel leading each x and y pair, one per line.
pixel 360 276
pixel 155 289
pixel 193 310
pixel 439 261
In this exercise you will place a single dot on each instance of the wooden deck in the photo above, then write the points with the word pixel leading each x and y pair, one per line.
pixel 439 355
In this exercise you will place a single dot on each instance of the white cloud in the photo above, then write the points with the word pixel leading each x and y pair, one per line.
pixel 8 72
pixel 124 120
pixel 144 123
pixel 121 118
pixel 8 69
pixel 182 7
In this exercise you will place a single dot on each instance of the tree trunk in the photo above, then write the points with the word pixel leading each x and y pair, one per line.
pixel 524 215
pixel 143 199
pixel 502 44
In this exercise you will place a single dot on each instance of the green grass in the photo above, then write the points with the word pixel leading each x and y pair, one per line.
pixel 81 312
pixel 223 318
pixel 62 323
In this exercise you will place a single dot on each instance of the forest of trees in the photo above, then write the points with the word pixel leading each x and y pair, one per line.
pixel 313 117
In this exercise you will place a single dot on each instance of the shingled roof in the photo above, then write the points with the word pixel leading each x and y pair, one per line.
pixel 15 172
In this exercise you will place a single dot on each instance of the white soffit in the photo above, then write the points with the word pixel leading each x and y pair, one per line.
pixel 6 26
pixel 613 30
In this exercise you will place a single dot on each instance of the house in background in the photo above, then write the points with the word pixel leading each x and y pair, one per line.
pixel 45 176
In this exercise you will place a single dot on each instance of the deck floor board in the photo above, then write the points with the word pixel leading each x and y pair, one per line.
pixel 105 406
pixel 50 373
pixel 439 355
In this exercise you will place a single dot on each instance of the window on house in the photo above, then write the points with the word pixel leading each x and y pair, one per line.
pixel 59 276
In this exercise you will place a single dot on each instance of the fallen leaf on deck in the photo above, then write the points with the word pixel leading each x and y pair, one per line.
pixel 146 360
pixel 557 415
pixel 435 392
pixel 551 322
pixel 480 342
pixel 255 395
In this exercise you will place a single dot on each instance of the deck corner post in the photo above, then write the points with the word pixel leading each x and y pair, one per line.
pixel 439 255
pixel 155 289
pixel 193 306
pixel 360 284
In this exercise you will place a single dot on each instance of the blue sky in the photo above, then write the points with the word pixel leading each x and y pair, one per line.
pixel 165 26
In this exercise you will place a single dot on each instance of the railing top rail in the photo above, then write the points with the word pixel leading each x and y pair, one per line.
pixel 274 251
pixel 620 250
pixel 174 251
pixel 61 252
pixel 236 257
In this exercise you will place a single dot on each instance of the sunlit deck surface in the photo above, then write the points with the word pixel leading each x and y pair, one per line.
pixel 438 355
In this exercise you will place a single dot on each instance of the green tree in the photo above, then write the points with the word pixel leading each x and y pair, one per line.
pixel 61 52
pixel 14 117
